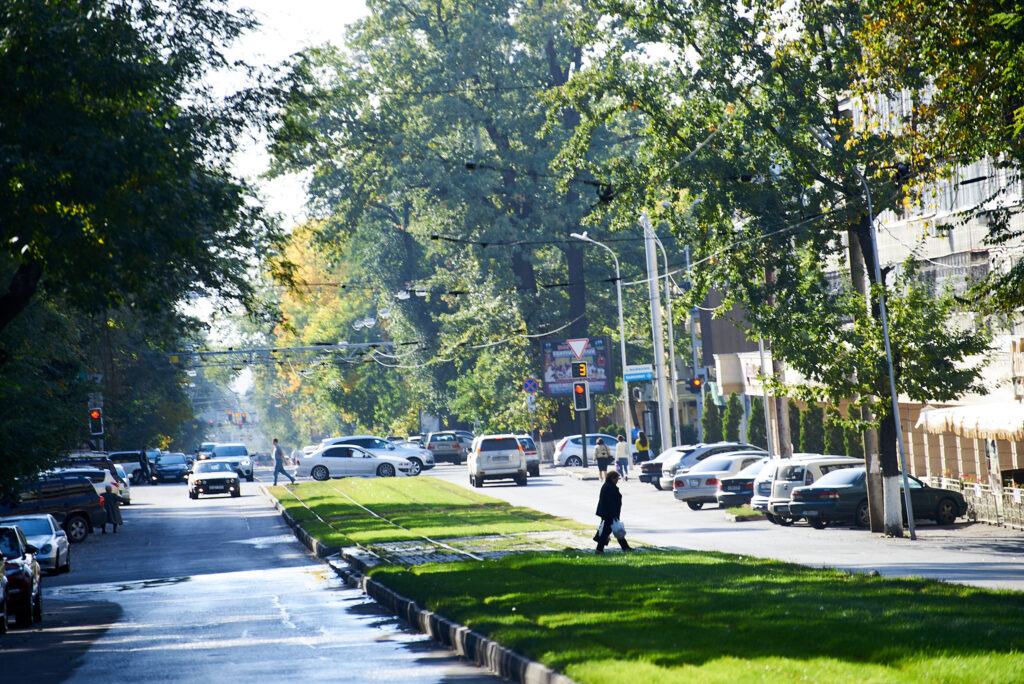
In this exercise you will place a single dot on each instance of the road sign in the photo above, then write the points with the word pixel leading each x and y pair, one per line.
pixel 577 346
pixel 530 385
pixel 641 371
pixel 531 402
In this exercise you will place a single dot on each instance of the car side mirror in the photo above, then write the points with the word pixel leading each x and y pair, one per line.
pixel 29 548
pixel 62 533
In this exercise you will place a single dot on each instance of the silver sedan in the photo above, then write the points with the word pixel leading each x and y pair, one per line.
pixel 43 532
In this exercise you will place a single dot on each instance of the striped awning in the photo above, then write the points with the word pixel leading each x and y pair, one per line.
pixel 979 421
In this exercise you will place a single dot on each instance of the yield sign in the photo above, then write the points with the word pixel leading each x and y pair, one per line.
pixel 577 346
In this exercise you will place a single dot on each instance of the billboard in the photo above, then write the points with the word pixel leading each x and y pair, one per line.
pixel 556 361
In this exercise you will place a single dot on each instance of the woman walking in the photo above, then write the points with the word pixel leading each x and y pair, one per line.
pixel 111 504
pixel 603 457
pixel 622 457
pixel 609 506
pixel 643 448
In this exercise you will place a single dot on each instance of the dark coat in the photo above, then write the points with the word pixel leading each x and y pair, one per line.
pixel 110 505
pixel 609 505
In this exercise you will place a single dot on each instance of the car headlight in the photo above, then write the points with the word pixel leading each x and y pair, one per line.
pixel 47 547
pixel 246 462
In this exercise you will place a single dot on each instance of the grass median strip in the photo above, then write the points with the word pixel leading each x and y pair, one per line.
pixel 677 616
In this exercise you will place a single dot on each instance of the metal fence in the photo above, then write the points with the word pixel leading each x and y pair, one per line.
pixel 1004 506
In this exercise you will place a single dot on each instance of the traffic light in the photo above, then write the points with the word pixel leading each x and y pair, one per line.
pixel 581 395
pixel 579 369
pixel 243 417
pixel 696 384
pixel 95 422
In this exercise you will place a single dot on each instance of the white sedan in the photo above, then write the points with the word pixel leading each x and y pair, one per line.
pixel 349 461
pixel 214 477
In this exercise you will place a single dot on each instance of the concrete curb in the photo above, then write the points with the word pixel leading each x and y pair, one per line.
pixel 470 645
pixel 744 518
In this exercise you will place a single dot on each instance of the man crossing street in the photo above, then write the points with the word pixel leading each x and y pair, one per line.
pixel 279 463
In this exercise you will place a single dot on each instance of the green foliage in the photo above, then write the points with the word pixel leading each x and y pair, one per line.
pixel 835 442
pixel 794 424
pixel 812 429
pixel 732 418
pixel 756 433
pixel 853 437
pixel 711 421
pixel 116 183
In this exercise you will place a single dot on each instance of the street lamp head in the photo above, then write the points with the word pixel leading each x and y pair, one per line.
pixel 580 236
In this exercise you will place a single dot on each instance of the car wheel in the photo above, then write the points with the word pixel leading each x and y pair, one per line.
pixel 417 466
pixel 657 484
pixel 783 520
pixel 385 470
pixel 193 495
pixel 251 477
pixel 77 528
pixel 37 606
pixel 816 522
pixel 945 512
pixel 3 616
pixel 320 473
pixel 862 518
pixel 521 480
pixel 535 471
pixel 574 462
pixel 237 492
pixel 695 505
pixel 67 563
pixel 478 482
pixel 23 617
pixel 769 517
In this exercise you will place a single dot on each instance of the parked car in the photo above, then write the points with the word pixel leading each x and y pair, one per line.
pixel 661 471
pixel 698 485
pixel 24 585
pixel 775 484
pixel 95 459
pixel 736 490
pixel 99 478
pixel 421 459
pixel 446 447
pixel 169 468
pixel 569 450
pixel 238 455
pixel 43 532
pixel 496 457
pixel 841 496
pixel 125 488
pixel 71 499
pixel 214 476
pixel 131 462
pixel 532 455
pixel 349 460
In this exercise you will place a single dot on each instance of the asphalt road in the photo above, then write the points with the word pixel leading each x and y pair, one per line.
pixel 212 589
pixel 969 553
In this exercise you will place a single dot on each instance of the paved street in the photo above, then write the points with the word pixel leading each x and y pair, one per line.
pixel 977 554
pixel 212 589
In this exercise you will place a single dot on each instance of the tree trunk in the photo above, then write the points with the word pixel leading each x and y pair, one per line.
pixel 858 277
pixel 20 291
pixel 782 416
pixel 887 458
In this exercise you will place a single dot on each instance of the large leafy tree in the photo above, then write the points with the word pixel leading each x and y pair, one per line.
pixel 742 106
pixel 114 157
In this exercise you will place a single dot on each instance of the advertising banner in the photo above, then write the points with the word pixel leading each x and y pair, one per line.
pixel 556 366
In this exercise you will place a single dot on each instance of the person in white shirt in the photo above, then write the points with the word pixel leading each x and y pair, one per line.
pixel 622 457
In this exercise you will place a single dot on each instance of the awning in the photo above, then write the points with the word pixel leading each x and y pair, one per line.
pixel 979 421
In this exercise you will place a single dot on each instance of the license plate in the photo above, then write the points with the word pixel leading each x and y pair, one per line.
pixel 732 488
pixel 810 512
pixel 499 459
pixel 694 483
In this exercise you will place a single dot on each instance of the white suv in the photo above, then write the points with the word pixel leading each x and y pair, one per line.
pixel 774 486
pixel 496 457
pixel 238 455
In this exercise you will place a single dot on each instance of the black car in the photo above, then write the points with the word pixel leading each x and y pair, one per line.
pixel 737 490
pixel 169 468
pixel 71 499
pixel 24 585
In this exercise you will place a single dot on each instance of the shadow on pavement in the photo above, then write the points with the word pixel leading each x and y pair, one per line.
pixel 69 627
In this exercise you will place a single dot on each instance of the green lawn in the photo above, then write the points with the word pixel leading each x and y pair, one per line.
pixel 423 505
pixel 674 616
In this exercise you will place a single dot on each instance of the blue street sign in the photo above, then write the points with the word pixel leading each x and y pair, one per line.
pixel 530 385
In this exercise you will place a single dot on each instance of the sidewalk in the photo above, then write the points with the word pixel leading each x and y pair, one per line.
pixel 969 553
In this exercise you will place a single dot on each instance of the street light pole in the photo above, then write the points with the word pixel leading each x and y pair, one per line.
pixel 622 330
pixel 693 347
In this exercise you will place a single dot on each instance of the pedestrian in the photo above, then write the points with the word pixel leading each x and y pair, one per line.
pixel 622 457
pixel 603 458
pixel 112 505
pixel 279 463
pixel 609 507
pixel 144 466
pixel 643 448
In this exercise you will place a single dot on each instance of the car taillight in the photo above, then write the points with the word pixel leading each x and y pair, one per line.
pixel 808 479
pixel 797 494
pixel 430 446
pixel 719 486
pixel 749 487
pixel 101 500
pixel 561 445
pixel 830 494
pixel 676 484
pixel 711 481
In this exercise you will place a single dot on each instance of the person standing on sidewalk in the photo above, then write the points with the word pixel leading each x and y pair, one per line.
pixel 622 457
pixel 603 457
pixel 112 507
pixel 279 463
pixel 643 448
pixel 609 507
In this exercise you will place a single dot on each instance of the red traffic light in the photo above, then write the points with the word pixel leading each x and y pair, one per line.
pixel 94 414
pixel 696 384
pixel 581 396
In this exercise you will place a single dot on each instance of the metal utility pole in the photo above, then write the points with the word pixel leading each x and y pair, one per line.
pixel 693 347
pixel 659 349
pixel 673 373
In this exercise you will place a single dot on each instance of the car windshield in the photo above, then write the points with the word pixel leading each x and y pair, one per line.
pixel 230 450
pixel 31 526
pixel 711 464
pixel 9 543
pixel 752 470
pixel 170 459
pixel 214 467
pixel 843 477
